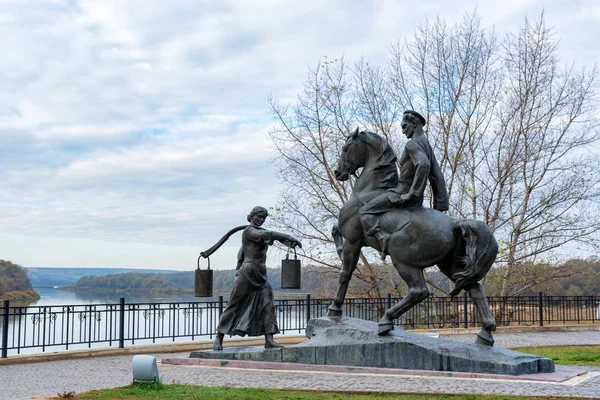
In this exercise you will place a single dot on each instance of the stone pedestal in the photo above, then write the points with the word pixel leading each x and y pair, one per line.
pixel 354 342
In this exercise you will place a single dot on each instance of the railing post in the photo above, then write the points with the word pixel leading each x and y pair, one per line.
pixel 5 329
pixel 577 305
pixel 465 311
pixel 154 306
pixel 389 301
pixel 220 306
pixel 122 322
pixel 541 308
pixel 307 307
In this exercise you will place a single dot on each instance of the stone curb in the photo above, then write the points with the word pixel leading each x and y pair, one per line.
pixel 515 329
pixel 295 339
pixel 143 349
pixel 560 375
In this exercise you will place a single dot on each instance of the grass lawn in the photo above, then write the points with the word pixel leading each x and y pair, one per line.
pixel 566 355
pixel 188 392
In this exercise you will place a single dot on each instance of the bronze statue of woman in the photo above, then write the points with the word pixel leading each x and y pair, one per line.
pixel 251 308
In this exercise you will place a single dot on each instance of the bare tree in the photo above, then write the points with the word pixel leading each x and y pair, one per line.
pixel 509 126
pixel 307 140
pixel 543 185
pixel 451 74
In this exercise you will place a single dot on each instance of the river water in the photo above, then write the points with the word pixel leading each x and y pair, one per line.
pixel 91 319
pixel 53 296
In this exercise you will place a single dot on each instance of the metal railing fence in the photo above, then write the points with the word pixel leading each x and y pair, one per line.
pixel 37 329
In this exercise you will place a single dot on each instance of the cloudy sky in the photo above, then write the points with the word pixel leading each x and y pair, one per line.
pixel 133 133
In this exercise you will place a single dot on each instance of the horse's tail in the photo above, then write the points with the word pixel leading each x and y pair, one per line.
pixel 481 249
pixel 338 239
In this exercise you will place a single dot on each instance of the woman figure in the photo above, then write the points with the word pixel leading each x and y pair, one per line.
pixel 251 308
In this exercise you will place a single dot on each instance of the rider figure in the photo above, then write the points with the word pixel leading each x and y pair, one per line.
pixel 417 165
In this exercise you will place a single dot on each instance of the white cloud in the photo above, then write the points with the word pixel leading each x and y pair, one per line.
pixel 137 121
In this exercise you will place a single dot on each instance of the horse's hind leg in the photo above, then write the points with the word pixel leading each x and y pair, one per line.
pixel 350 253
pixel 417 292
pixel 477 294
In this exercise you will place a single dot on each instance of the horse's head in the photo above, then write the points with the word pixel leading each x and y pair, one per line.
pixel 352 158
pixel 369 151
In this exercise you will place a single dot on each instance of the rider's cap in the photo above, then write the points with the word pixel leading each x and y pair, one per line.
pixel 416 114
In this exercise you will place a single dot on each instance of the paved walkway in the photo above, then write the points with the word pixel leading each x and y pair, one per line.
pixel 24 381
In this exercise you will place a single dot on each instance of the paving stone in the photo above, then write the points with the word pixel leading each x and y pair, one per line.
pixel 24 381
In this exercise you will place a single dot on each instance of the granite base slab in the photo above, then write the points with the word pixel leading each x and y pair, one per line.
pixel 560 375
pixel 355 342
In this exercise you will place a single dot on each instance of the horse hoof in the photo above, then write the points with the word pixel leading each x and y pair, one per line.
pixel 384 329
pixel 334 312
pixel 485 339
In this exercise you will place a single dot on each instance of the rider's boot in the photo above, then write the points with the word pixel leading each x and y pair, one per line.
pixel 383 237
pixel 369 218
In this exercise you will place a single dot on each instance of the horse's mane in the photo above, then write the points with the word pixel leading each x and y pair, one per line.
pixel 385 171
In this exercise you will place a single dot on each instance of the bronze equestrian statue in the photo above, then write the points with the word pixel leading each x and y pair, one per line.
pixel 385 212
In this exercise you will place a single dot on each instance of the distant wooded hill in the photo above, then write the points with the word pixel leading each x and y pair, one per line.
pixel 62 276
pixel 14 283
pixel 222 281
pixel 572 278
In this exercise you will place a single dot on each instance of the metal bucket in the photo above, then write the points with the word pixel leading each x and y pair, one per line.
pixel 203 281
pixel 290 272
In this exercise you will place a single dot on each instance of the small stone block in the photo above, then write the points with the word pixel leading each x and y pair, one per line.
pixel 259 354
pixel 303 355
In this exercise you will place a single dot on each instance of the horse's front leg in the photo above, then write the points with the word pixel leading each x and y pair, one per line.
pixel 350 252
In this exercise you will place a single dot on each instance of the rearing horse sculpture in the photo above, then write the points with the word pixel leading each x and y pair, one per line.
pixel 463 249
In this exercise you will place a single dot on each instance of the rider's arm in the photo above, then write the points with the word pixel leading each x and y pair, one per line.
pixel 422 166
pixel 438 185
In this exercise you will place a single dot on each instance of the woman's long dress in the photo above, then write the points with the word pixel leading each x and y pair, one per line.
pixel 251 308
